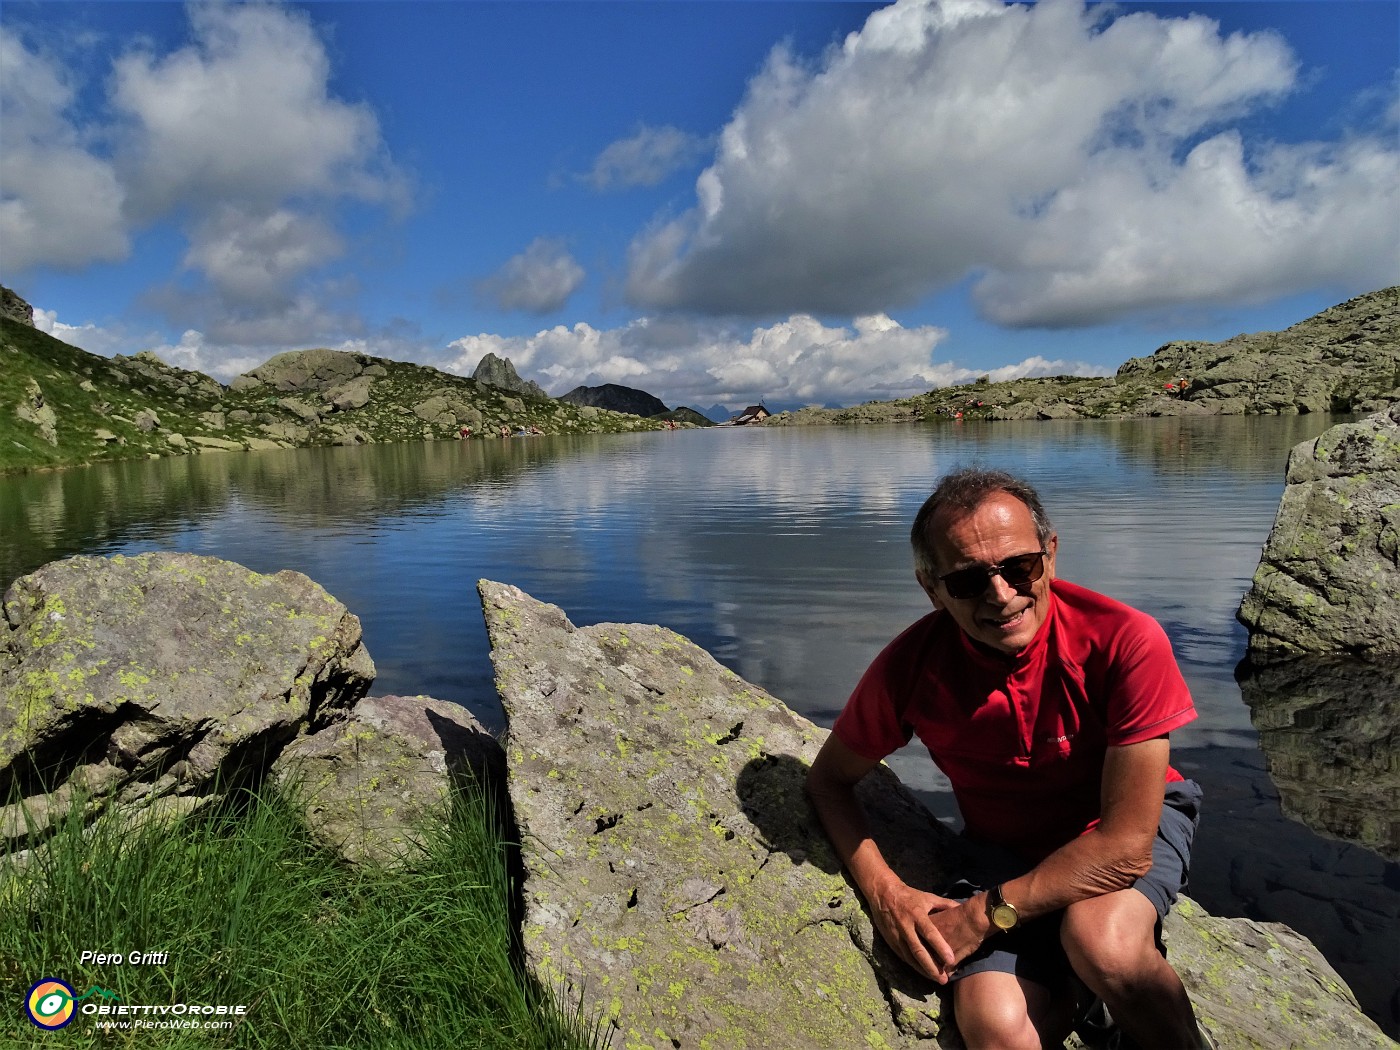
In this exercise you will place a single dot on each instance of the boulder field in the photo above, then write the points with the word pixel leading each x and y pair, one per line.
pixel 675 881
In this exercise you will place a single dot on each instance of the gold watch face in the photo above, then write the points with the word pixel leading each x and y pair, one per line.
pixel 1004 917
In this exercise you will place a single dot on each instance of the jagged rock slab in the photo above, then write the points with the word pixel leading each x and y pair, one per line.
pixel 1329 576
pixel 679 885
pixel 163 679
pixel 371 786
pixel 677 879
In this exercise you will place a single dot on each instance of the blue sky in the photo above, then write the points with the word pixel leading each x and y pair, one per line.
pixel 712 201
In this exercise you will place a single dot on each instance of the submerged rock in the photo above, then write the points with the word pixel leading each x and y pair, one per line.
pixel 678 883
pixel 1329 577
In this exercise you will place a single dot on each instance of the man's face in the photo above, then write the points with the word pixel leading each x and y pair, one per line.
pixel 1002 617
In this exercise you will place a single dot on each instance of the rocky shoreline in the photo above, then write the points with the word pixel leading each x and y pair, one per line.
pixel 1345 359
pixel 675 880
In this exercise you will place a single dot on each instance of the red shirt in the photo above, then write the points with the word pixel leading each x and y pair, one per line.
pixel 1022 738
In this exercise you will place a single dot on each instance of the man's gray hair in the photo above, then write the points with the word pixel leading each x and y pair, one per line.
pixel 962 492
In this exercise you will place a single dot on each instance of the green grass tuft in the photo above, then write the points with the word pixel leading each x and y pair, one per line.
pixel 251 911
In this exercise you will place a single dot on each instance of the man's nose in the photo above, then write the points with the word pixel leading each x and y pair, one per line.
pixel 999 591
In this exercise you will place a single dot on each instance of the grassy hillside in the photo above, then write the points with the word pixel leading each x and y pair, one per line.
pixel 60 405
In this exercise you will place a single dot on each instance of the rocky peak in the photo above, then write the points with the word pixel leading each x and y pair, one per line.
pixel 500 373
pixel 15 308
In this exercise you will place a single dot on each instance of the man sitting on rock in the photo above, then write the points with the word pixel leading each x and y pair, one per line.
pixel 1048 707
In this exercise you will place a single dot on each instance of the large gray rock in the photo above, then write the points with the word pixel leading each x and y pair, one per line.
pixel 1329 577
pixel 349 395
pixel 679 884
pixel 299 370
pixel 371 786
pixel 32 408
pixel 161 680
pixel 303 410
pixel 677 879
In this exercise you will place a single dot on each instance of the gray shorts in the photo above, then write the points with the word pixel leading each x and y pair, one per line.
pixel 1033 951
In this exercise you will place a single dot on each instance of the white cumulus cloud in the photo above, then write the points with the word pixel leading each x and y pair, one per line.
pixel 60 199
pixel 1080 166
pixel 244 113
pixel 800 359
pixel 236 136
pixel 539 280
pixel 257 258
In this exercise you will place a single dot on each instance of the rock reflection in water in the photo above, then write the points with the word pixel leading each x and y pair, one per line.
pixel 1330 727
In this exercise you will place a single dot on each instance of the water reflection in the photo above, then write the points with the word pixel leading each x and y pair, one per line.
pixel 1331 731
pixel 53 514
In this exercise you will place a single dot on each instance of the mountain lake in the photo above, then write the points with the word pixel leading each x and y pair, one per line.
pixel 784 552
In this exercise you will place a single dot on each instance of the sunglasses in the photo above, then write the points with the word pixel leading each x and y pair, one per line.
pixel 1018 572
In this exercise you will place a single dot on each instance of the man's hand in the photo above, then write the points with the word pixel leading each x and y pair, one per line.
pixel 963 927
pixel 903 916
pixel 906 918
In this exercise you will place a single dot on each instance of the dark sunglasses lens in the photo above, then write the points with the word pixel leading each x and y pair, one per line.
pixel 1017 572
pixel 966 583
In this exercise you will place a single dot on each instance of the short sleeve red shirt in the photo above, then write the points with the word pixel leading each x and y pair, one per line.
pixel 1022 739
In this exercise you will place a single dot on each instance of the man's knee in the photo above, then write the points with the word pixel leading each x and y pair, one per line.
pixel 998 1010
pixel 1111 940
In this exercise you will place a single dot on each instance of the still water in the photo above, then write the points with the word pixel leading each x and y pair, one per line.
pixel 784 552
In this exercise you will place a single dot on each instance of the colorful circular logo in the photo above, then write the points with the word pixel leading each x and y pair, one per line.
pixel 50 1003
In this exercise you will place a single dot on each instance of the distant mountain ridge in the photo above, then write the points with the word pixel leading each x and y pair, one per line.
pixel 61 406
pixel 617 398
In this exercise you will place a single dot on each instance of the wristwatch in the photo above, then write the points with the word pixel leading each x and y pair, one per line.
pixel 1003 916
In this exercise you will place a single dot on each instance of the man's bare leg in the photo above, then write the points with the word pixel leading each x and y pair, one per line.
pixel 1110 944
pixel 1000 1011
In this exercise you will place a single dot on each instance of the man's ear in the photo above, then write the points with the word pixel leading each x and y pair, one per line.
pixel 1051 546
pixel 928 588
